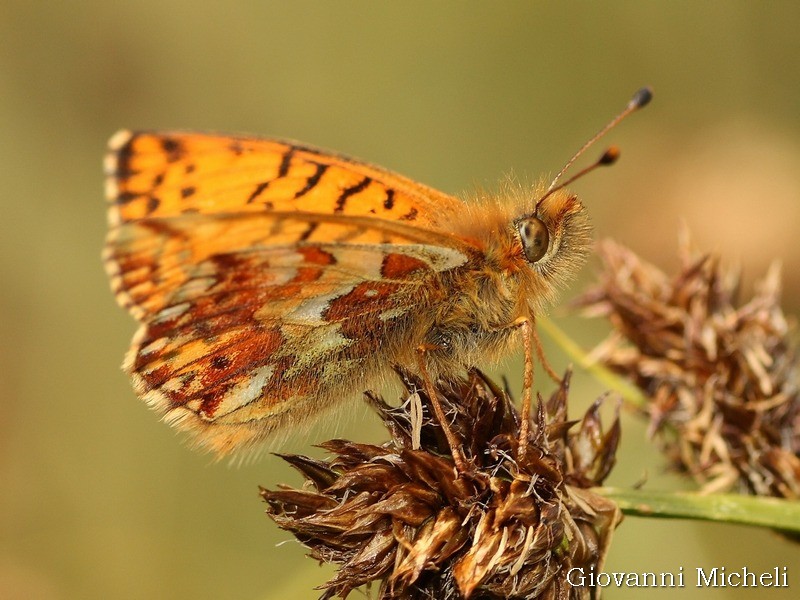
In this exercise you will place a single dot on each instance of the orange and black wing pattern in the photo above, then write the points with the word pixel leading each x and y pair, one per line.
pixel 270 278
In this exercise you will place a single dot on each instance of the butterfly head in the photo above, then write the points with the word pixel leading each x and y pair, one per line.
pixel 554 237
pixel 551 243
pixel 535 247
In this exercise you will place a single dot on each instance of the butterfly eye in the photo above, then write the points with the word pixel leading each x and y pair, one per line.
pixel 535 238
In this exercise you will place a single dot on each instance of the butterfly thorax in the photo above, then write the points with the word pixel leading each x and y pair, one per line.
pixel 499 285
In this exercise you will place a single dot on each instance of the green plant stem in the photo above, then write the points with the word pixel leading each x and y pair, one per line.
pixel 774 513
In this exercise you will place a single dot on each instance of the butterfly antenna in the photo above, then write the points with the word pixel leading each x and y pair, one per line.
pixel 640 99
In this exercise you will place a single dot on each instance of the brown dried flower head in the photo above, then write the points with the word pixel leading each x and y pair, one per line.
pixel 721 375
pixel 511 526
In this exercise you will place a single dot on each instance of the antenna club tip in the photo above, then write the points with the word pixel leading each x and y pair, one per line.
pixel 610 156
pixel 641 98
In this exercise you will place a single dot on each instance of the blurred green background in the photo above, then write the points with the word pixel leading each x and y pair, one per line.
pixel 98 499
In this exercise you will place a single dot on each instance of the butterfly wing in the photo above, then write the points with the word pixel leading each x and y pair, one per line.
pixel 155 180
pixel 169 174
pixel 271 279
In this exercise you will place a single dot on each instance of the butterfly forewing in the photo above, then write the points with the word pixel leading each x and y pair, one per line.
pixel 165 175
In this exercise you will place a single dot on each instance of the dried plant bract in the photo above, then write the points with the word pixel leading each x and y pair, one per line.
pixel 721 375
pixel 401 517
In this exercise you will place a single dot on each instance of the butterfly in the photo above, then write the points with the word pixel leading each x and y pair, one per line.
pixel 273 280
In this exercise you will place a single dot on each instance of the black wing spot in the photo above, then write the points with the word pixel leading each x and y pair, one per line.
pixel 188 191
pixel 124 156
pixel 257 192
pixel 220 361
pixel 307 233
pixel 351 191
pixel 312 181
pixel 388 202
pixel 173 148
pixel 152 204
pixel 286 162
pixel 410 215
pixel 126 197
pixel 283 171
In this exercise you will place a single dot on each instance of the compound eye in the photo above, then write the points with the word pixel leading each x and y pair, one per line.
pixel 535 238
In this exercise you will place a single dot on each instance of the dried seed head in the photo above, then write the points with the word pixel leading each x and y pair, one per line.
pixel 721 375
pixel 509 527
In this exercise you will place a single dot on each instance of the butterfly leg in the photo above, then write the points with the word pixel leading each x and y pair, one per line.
pixel 526 326
pixel 531 343
pixel 537 342
pixel 430 389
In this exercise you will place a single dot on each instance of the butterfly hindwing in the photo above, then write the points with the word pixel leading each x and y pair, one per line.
pixel 278 330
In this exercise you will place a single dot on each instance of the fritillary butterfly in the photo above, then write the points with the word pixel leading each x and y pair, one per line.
pixel 273 280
